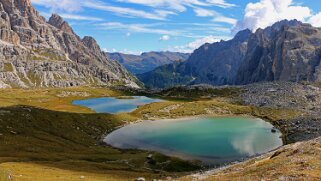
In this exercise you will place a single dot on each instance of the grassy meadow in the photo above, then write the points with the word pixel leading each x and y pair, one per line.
pixel 44 137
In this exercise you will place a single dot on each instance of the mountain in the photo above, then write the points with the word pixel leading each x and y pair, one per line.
pixel 285 51
pixel 37 53
pixel 138 64
pixel 215 64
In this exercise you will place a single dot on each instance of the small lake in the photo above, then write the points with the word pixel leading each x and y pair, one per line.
pixel 114 105
pixel 211 140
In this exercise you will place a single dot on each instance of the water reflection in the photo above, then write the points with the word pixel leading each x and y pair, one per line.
pixel 211 140
pixel 113 105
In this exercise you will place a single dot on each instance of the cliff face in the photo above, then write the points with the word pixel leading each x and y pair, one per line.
pixel 36 53
pixel 218 63
pixel 286 51
pixel 215 64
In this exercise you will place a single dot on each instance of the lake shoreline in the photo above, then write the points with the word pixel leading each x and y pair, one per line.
pixel 218 162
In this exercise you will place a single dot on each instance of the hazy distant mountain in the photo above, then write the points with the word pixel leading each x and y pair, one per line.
pixel 286 51
pixel 36 53
pixel 138 64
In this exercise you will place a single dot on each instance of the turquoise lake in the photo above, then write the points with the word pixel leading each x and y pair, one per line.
pixel 210 140
pixel 113 105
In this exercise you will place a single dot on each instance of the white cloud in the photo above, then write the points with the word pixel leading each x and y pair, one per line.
pixel 59 5
pixel 76 5
pixel 204 12
pixel 315 20
pixel 129 12
pixel 221 3
pixel 190 47
pixel 164 38
pixel 217 17
pixel 140 28
pixel 267 12
pixel 73 17
pixel 180 5
pixel 224 19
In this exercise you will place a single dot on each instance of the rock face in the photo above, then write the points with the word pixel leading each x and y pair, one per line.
pixel 286 51
pixel 138 64
pixel 218 63
pixel 215 64
pixel 36 53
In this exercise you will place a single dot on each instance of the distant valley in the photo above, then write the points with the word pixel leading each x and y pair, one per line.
pixel 139 64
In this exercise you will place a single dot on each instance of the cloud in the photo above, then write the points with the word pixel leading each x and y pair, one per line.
pixel 164 38
pixel 266 12
pixel 129 12
pixel 221 3
pixel 73 17
pixel 217 17
pixel 224 19
pixel 190 47
pixel 315 20
pixel 180 5
pixel 140 28
pixel 204 12
pixel 59 6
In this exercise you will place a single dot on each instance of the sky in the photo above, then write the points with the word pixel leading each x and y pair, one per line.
pixel 136 26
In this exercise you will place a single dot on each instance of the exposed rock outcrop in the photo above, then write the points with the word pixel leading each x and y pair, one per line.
pixel 286 51
pixel 35 53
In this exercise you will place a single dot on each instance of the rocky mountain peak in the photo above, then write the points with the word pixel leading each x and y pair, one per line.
pixel 24 3
pixel 37 53
pixel 243 35
pixel 92 44
pixel 58 22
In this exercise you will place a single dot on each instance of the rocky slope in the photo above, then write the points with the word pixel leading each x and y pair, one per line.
pixel 36 53
pixel 286 51
pixel 299 161
pixel 138 64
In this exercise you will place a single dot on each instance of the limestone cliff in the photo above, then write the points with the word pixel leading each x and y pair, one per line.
pixel 36 53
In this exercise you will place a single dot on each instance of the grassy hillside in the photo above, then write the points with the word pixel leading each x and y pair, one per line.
pixel 72 142
pixel 50 139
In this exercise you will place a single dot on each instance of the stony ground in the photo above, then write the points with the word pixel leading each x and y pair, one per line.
pixel 302 97
pixel 298 161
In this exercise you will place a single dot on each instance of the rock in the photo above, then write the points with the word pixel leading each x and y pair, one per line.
pixel 286 51
pixel 82 177
pixel 36 53
pixel 150 156
pixel 273 130
pixel 140 179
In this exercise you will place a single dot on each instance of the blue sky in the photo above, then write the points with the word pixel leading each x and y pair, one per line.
pixel 134 26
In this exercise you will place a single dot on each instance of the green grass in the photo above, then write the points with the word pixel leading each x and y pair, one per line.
pixel 52 134
pixel 8 67
pixel 72 141
pixel 3 175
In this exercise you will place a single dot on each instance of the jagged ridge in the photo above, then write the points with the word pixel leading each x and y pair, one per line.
pixel 286 51
pixel 36 53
